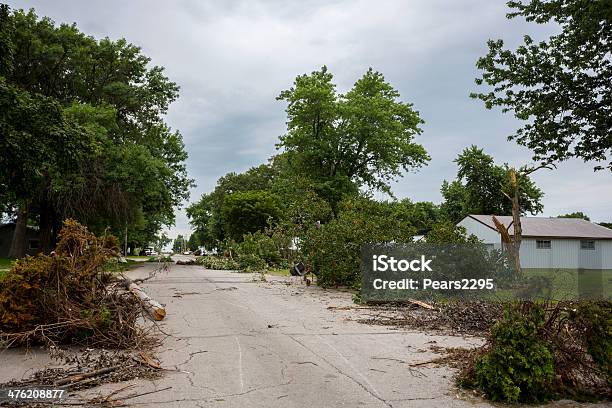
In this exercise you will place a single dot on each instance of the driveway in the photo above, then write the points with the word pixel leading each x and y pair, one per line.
pixel 235 341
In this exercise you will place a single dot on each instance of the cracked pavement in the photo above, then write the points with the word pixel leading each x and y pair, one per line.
pixel 235 341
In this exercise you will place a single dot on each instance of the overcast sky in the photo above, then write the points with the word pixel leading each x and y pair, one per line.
pixel 232 58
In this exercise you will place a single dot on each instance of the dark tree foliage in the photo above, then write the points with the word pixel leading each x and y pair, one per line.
pixel 480 187
pixel 562 87
pixel 250 211
pixel 126 165
pixel 205 215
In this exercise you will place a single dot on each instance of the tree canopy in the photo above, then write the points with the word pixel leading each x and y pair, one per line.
pixel 98 149
pixel 249 211
pixel 345 141
pixel 561 87
pixel 480 187
pixel 577 214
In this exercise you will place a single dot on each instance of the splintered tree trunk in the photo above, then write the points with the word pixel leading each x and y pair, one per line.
pixel 18 248
pixel 513 242
pixel 518 229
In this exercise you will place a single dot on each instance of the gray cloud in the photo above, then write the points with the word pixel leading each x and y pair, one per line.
pixel 232 58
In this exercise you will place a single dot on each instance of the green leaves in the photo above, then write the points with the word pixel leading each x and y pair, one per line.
pixel 561 88
pixel 481 187
pixel 363 138
pixel 83 129
pixel 333 249
pixel 249 211
pixel 519 365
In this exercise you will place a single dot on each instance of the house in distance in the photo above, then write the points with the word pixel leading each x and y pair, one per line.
pixel 550 243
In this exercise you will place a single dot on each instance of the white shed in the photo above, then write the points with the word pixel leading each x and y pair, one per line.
pixel 550 243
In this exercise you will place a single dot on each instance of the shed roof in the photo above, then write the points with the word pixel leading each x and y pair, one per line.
pixel 550 227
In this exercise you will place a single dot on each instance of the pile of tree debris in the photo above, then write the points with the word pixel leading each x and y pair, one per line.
pixel 67 297
pixel 89 368
pixel 473 317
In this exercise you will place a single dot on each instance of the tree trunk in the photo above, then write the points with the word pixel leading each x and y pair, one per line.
pixel 18 249
pixel 45 226
pixel 516 220
pixel 57 227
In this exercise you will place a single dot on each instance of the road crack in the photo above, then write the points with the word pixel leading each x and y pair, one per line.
pixel 372 392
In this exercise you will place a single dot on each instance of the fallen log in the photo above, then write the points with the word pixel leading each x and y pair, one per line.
pixel 153 307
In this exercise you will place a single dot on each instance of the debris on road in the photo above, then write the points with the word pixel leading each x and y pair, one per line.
pixel 455 357
pixel 422 304
pixel 188 262
pixel 474 317
pixel 153 307
pixel 67 297
pixel 90 368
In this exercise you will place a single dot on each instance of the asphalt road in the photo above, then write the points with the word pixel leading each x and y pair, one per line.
pixel 235 341
pixel 238 342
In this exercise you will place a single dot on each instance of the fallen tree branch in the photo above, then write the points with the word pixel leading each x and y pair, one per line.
pixel 154 308
pixel 80 377
pixel 422 304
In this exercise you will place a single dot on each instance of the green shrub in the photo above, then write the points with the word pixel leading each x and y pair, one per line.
pixel 333 249
pixel 218 263
pixel 519 366
pixel 251 262
pixel 595 322
pixel 261 246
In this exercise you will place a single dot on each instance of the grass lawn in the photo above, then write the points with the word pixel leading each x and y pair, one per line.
pixel 5 266
pixel 118 267
pixel 278 272
pixel 5 263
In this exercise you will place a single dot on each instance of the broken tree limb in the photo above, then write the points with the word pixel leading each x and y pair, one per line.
pixel 153 307
pixel 83 376
pixel 422 304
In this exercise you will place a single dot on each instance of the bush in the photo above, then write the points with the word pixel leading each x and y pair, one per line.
pixel 251 262
pixel 333 250
pixel 519 366
pixel 261 246
pixel 594 320
pixel 514 365
pixel 218 263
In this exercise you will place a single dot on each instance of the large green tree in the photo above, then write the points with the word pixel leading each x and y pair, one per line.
pixel 128 166
pixel 345 141
pixel 206 216
pixel 250 211
pixel 36 141
pixel 480 187
pixel 179 244
pixel 561 87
